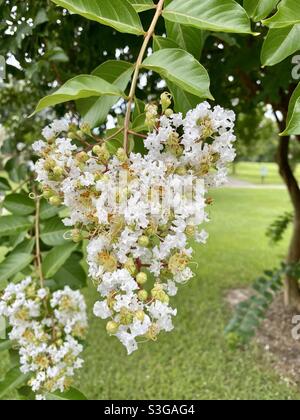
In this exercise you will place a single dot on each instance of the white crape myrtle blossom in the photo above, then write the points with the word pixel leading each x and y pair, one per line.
pixel 139 213
pixel 47 330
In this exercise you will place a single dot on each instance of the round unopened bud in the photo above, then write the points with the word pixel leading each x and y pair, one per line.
pixel 47 193
pixel 141 278
pixel 76 236
pixel 140 315
pixel 97 150
pixel 143 241
pixel 82 157
pixel 85 128
pixel 126 317
pixel 58 171
pixel 181 170
pixel 169 112
pixel 165 100
pixel 49 164
pixel 122 155
pixel 143 295
pixel 59 342
pixel 112 327
pixel 55 201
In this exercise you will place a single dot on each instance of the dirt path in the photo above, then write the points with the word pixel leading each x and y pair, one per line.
pixel 238 183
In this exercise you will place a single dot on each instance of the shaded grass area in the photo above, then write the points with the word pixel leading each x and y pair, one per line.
pixel 251 172
pixel 193 362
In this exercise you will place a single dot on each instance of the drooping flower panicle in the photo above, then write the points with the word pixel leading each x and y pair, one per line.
pixel 140 212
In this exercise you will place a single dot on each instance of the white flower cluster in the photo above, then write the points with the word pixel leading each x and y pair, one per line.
pixel 47 330
pixel 139 212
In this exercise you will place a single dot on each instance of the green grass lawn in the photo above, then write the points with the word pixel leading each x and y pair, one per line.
pixel 193 361
pixel 250 172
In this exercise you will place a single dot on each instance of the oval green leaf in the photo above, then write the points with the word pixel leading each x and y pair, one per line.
pixel 119 14
pixel 211 15
pixel 19 204
pixel 12 225
pixel 79 87
pixel 182 69
pixel 95 110
pixel 288 14
pixel 142 5
pixel 56 258
pixel 293 118
pixel 259 9
pixel 280 44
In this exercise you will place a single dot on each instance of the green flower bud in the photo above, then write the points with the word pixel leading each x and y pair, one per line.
pixel 55 201
pixel 85 128
pixel 142 278
pixel 49 164
pixel 126 317
pixel 143 241
pixel 130 266
pixel 76 236
pixel 112 327
pixel 97 150
pixel 181 170
pixel 165 100
pixel 58 171
pixel 143 295
pixel 122 155
pixel 169 112
pixel 140 315
pixel 47 193
pixel 82 157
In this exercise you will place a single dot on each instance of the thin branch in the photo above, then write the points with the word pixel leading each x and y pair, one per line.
pixel 37 243
pixel 142 136
pixel 148 36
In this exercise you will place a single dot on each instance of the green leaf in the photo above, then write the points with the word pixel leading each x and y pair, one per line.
pixel 71 274
pixel 139 124
pixel 160 42
pixel 19 204
pixel 142 5
pixel 56 258
pixel 288 14
pixel 71 394
pixel 188 38
pixel 83 86
pixel 12 225
pixel 13 379
pixel 211 15
pixel 25 247
pixel 119 14
pixel 259 9
pixel 95 110
pixel 280 44
pixel 293 118
pixel 47 211
pixel 139 108
pixel 182 69
pixel 52 232
pixel 13 264
pixel 184 101
pixel 5 345
pixel 4 185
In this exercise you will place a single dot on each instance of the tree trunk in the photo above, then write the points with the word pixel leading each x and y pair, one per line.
pixel 292 289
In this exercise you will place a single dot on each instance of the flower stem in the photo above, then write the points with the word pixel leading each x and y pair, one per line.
pixel 148 36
